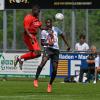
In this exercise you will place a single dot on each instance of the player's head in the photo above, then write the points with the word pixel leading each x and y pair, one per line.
pixel 48 22
pixel 82 38
pixel 93 49
pixel 35 10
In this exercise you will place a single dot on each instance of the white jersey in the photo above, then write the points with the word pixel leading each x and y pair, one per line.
pixel 97 61
pixel 56 32
pixel 44 35
pixel 81 47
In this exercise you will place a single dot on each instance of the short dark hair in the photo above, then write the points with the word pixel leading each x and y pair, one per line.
pixel 48 19
pixel 82 36
pixel 35 6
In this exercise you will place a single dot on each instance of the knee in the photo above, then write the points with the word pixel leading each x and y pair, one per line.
pixel 55 65
pixel 38 53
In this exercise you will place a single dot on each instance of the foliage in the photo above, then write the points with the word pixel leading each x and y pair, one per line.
pixel 94 25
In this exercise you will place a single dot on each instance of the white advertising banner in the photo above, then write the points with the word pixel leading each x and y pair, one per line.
pixel 29 66
pixel 2 4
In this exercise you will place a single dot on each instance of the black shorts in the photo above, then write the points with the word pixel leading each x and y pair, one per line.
pixel 53 54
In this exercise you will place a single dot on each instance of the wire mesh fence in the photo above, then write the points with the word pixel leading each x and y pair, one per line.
pixel 75 23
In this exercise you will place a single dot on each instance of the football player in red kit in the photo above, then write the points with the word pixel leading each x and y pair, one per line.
pixel 31 26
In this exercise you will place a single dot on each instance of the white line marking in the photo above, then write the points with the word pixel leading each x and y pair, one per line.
pixel 36 96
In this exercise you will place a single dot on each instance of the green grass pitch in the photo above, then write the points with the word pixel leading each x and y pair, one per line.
pixel 24 90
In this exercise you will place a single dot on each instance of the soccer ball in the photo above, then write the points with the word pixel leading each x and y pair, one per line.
pixel 59 16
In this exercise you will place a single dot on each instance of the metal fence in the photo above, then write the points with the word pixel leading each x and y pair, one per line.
pixel 74 23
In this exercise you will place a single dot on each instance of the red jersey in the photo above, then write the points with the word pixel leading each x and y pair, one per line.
pixel 32 23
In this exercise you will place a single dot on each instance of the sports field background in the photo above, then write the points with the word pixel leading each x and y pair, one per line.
pixel 24 90
pixel 86 22
pixel 11 28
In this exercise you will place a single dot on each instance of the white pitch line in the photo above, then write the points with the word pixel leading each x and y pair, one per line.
pixel 36 96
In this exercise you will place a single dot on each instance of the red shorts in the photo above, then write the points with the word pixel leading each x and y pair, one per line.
pixel 29 42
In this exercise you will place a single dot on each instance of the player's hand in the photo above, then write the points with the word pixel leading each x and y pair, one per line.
pixel 50 43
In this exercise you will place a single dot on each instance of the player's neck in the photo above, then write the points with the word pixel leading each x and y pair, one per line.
pixel 49 27
pixel 34 15
pixel 81 43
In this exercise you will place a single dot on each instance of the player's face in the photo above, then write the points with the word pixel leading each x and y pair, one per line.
pixel 35 11
pixel 93 49
pixel 82 40
pixel 48 23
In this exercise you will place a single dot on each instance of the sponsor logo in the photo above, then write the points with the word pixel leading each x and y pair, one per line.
pixel 6 63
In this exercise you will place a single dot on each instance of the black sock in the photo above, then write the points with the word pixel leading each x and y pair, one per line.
pixel 52 77
pixel 39 69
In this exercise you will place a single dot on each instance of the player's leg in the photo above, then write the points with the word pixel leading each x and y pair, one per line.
pixel 28 55
pixel 54 72
pixel 97 70
pixel 34 51
pixel 39 69
pixel 91 71
pixel 46 55
pixel 54 62
pixel 33 47
pixel 81 74
pixel 31 55
pixel 53 75
pixel 95 76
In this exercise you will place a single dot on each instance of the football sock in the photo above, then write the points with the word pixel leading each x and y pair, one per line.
pixel 52 77
pixel 39 69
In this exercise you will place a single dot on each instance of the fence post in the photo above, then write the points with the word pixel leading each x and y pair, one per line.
pixel 86 25
pixel 4 30
pixel 73 31
pixel 14 30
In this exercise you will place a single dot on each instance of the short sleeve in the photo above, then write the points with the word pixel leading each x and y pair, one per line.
pixel 58 31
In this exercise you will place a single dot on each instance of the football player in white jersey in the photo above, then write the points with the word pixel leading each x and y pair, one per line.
pixel 49 39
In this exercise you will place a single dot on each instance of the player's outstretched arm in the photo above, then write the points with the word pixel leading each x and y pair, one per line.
pixel 63 37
